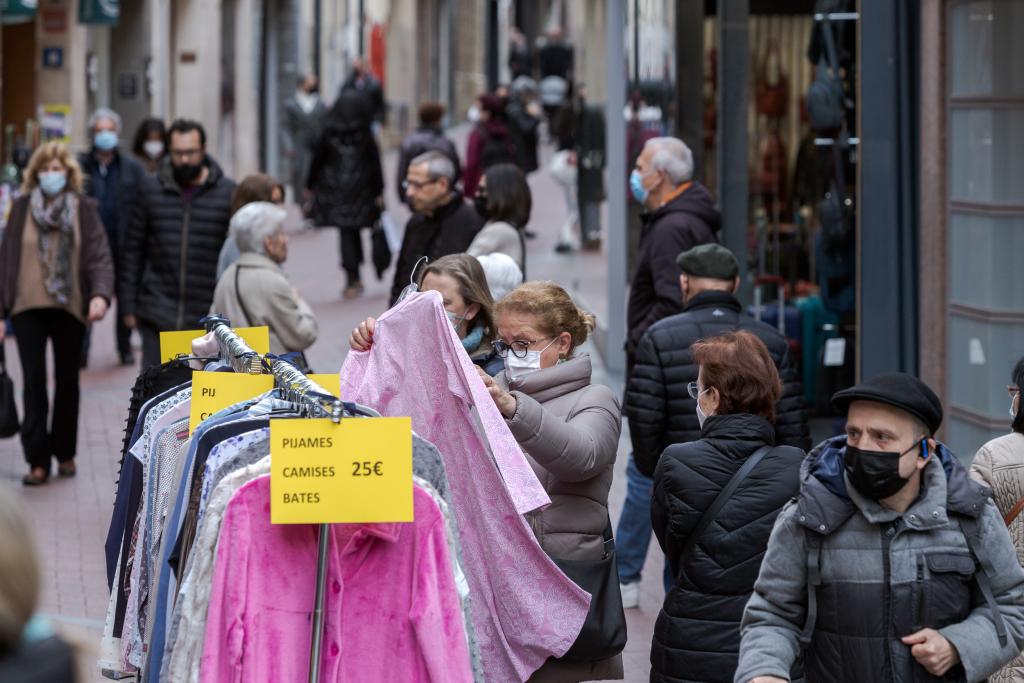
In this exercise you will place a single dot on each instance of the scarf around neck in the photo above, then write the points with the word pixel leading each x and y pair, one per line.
pixel 56 226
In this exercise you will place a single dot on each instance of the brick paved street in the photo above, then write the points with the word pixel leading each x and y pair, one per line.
pixel 71 516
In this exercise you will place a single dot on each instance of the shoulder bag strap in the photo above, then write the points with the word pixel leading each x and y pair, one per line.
pixel 1014 512
pixel 249 320
pixel 971 531
pixel 723 497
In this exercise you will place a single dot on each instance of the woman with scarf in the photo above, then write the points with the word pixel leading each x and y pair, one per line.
pixel 460 280
pixel 56 276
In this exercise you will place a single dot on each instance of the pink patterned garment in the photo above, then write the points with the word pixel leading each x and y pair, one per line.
pixel 524 608
pixel 391 613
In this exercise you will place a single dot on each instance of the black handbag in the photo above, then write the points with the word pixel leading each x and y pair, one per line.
pixel 9 422
pixel 604 632
pixel 381 250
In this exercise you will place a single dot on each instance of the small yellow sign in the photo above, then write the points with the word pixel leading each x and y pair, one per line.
pixel 174 344
pixel 215 391
pixel 355 471
pixel 330 382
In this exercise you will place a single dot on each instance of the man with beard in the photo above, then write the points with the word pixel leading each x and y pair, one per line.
pixel 169 258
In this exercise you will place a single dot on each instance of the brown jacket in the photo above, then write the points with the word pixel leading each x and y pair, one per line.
pixel 569 430
pixel 95 265
pixel 999 464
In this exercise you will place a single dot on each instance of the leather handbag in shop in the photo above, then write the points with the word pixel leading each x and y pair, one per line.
pixel 604 632
pixel 9 422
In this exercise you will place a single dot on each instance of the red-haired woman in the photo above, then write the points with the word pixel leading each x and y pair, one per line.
pixel 697 634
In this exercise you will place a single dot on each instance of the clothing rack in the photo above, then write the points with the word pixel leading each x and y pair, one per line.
pixel 299 389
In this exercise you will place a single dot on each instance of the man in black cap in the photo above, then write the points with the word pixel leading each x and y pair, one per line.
pixel 658 405
pixel 892 564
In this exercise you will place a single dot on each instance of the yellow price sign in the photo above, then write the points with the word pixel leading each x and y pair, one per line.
pixel 215 391
pixel 330 382
pixel 355 471
pixel 174 344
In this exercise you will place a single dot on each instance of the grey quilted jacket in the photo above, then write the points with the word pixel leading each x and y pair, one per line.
pixel 844 579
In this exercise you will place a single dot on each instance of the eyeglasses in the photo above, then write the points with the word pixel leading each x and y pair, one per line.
pixel 694 390
pixel 519 347
pixel 417 185
pixel 1012 390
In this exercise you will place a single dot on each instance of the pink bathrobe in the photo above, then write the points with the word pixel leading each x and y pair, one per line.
pixel 524 608
pixel 392 612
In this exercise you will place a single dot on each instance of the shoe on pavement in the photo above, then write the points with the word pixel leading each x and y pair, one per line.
pixel 354 290
pixel 563 248
pixel 630 594
pixel 127 358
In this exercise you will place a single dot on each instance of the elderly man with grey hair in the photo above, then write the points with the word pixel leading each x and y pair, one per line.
pixel 254 290
pixel 443 223
pixel 678 214
pixel 113 180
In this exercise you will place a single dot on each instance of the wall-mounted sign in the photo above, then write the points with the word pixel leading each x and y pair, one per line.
pixel 53 58
pixel 99 11
pixel 55 122
pixel 127 86
pixel 54 18
pixel 17 11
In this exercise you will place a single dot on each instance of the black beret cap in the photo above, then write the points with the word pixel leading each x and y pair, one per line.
pixel 709 260
pixel 899 390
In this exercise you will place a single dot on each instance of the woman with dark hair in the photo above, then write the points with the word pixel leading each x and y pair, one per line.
pixel 504 201
pixel 999 464
pixel 697 634
pixel 460 280
pixel 149 146
pixel 346 180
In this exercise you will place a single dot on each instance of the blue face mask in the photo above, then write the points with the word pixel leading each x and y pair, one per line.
pixel 52 183
pixel 105 140
pixel 636 186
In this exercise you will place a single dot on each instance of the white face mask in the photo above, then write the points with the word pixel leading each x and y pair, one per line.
pixel 1013 413
pixel 516 367
pixel 153 148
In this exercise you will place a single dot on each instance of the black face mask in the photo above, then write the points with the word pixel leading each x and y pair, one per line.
pixel 876 474
pixel 185 174
pixel 480 202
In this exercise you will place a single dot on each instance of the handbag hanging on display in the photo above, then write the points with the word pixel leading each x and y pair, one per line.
pixel 604 632
pixel 9 422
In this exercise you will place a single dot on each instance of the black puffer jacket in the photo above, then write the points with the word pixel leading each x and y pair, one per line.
pixel 450 230
pixel 687 221
pixel 697 634
pixel 660 410
pixel 345 175
pixel 169 256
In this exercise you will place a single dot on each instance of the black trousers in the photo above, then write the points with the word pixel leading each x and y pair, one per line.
pixel 124 336
pixel 351 253
pixel 32 329
pixel 150 344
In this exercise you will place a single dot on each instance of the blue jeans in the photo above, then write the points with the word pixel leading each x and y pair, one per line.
pixel 633 534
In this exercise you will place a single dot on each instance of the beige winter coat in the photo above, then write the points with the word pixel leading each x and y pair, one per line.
pixel 1000 465
pixel 569 430
pixel 267 299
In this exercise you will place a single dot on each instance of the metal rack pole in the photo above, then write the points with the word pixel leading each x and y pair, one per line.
pixel 300 389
